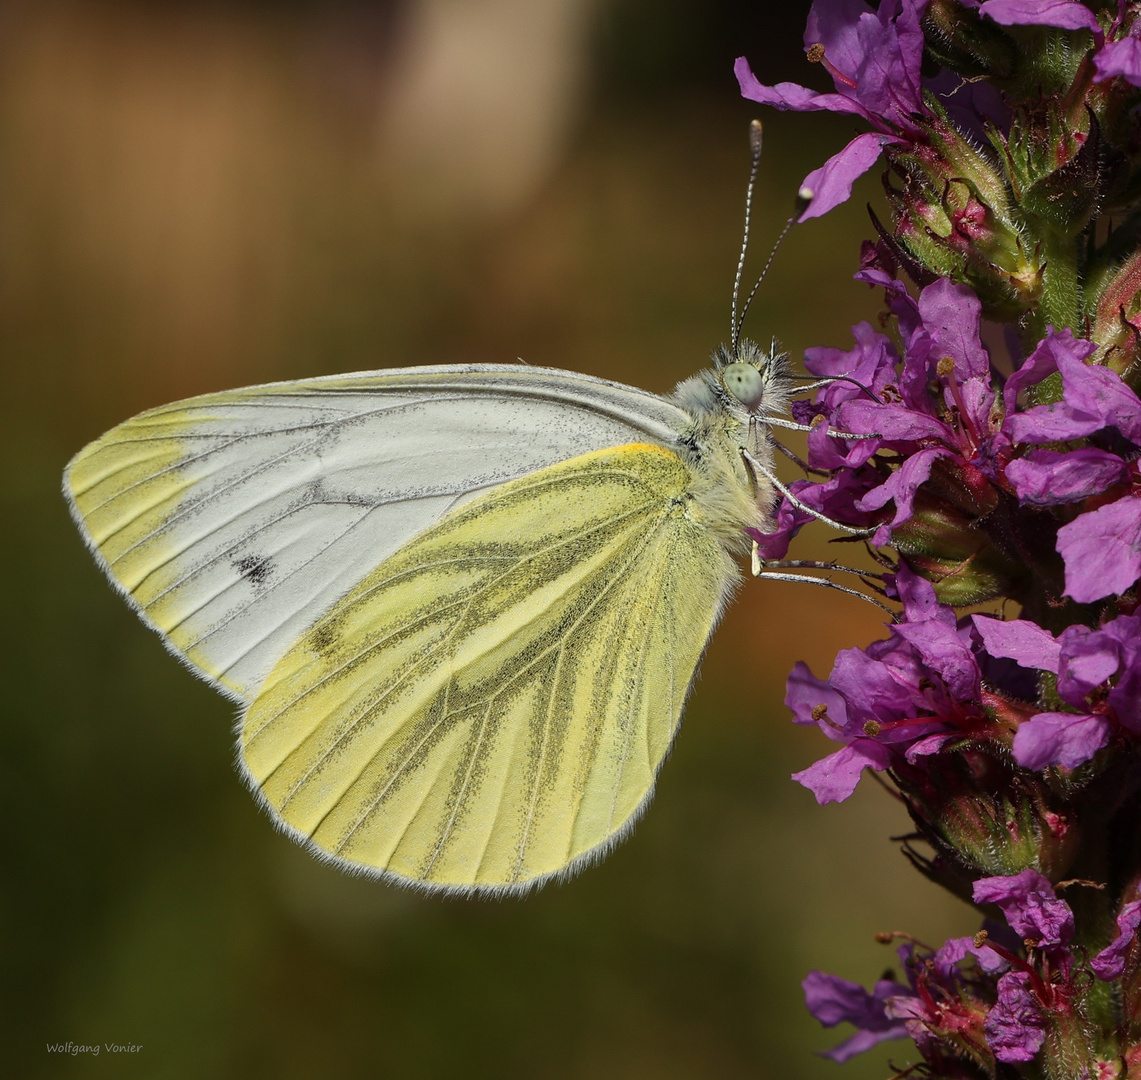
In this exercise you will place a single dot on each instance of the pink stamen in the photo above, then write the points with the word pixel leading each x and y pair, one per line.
pixel 817 55
pixel 965 422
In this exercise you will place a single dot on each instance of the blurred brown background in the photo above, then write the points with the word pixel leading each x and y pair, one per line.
pixel 196 196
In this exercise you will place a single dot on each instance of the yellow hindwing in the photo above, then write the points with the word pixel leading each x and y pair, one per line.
pixel 494 700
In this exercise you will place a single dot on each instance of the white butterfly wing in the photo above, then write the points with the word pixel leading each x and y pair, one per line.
pixel 491 704
pixel 233 521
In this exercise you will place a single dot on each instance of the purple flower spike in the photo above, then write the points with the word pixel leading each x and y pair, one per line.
pixel 833 1001
pixel 981 473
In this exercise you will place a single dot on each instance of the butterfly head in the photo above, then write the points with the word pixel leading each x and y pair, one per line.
pixel 752 381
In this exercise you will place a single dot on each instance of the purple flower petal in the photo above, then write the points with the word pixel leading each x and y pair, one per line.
pixel 1126 631
pixel 1047 477
pixel 990 961
pixel 901 487
pixel 1020 640
pixel 1100 393
pixel 943 652
pixel 1015 1027
pixel 791 96
pixel 1064 14
pixel 1088 658
pixel 835 24
pixel 932 744
pixel 872 687
pixel 831 184
pixel 871 362
pixel 1119 58
pixel 919 601
pixel 1066 739
pixel 1110 962
pixel 1028 901
pixel 806 695
pixel 955 949
pixel 1043 361
pixel 888 75
pixel 892 422
pixel 977 399
pixel 789 521
pixel 952 314
pixel 950 953
pixel 1049 423
pixel 834 778
pixel 1102 550
pixel 839 496
pixel 1094 398
pixel 827 452
pixel 833 1000
pixel 862 1041
pixel 1125 698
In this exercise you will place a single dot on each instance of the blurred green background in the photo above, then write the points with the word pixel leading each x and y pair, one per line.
pixel 195 196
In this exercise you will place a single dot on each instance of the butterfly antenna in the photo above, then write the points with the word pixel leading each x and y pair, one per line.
pixel 803 197
pixel 756 141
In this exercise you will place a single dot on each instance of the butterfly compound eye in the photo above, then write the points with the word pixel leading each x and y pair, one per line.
pixel 744 382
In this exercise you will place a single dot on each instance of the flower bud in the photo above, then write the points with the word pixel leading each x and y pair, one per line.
pixel 1115 299
pixel 969 45
pixel 953 216
pixel 1055 169
pixel 942 540
pixel 986 816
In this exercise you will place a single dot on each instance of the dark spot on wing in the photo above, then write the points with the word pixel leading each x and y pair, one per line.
pixel 256 569
pixel 323 637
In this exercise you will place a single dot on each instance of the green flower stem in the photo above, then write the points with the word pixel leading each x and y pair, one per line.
pixel 1060 302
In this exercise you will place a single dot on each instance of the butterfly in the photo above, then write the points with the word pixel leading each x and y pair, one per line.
pixel 460 607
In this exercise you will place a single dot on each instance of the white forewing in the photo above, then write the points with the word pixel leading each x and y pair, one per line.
pixel 233 521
